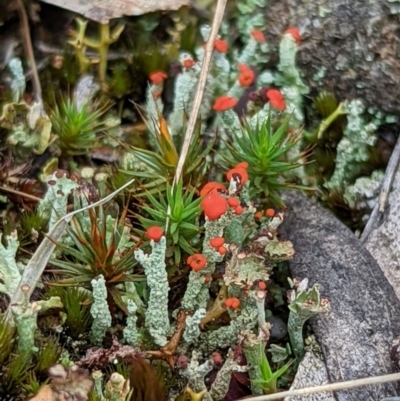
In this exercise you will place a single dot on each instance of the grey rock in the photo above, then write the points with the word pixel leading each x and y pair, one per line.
pixel 355 42
pixel 356 336
pixel 311 373
pixel 105 10
pixel 383 242
pixel 278 330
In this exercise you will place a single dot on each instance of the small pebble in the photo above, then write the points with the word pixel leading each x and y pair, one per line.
pixel 278 330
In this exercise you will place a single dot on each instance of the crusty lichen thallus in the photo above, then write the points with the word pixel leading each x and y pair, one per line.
pixel 157 318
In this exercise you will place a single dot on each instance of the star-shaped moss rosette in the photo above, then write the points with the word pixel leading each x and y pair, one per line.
pixel 184 212
pixel 264 148
pixel 163 160
pixel 103 248
pixel 76 128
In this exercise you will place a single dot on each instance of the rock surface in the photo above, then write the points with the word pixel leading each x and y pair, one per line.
pixel 384 241
pixel 311 372
pixel 356 336
pixel 353 44
pixel 103 10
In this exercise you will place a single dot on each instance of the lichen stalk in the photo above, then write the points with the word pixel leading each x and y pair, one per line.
pixel 117 388
pixel 220 387
pixel 197 294
pixel 25 315
pixel 157 319
pixel 192 331
pixel 9 271
pixel 303 304
pixel 99 310
pixel 251 348
pixel 130 331
pixel 196 372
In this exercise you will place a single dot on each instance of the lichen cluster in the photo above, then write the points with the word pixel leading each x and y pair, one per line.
pixel 188 270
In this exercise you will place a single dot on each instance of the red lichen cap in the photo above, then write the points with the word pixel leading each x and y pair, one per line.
pixel 238 210
pixel 242 165
pixel 270 212
pixel 232 303
pixel 216 242
pixel 228 302
pixel 222 250
pixel 155 233
pixel 221 45
pixel 157 77
pixel 238 171
pixel 224 102
pixel 197 262
pixel 276 99
pixel 262 286
pixel 233 202
pixel 189 63
pixel 212 187
pixel 246 77
pixel 214 206
pixel 258 215
pixel 235 303
pixel 258 36
pixel 295 33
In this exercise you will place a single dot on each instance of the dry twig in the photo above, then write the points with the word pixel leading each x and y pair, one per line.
pixel 36 265
pixel 168 351
pixel 380 206
pixel 198 97
pixel 329 387
pixel 25 30
pixel 22 194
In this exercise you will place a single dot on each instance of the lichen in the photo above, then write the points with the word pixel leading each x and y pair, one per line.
pixel 352 150
pixel 244 269
pixel 197 294
pixel 192 331
pixel 28 127
pixel 156 320
pixel 10 274
pixel 251 348
pixel 242 228
pixel 249 14
pixel 225 336
pixel 220 387
pixel 54 205
pixel 18 83
pixel 99 310
pixel 85 90
pixel 117 388
pixel 293 88
pixel 25 315
pixel 303 303
pixel 185 85
pixel 363 194
pixel 196 372
pixel 130 330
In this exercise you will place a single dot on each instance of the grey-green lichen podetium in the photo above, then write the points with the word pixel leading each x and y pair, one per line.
pixel 303 303
pixel 353 149
pixel 25 315
pixel 99 310
pixel 157 319
pixel 29 129
pixel 394 8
